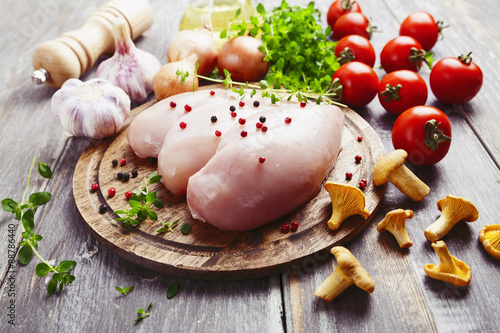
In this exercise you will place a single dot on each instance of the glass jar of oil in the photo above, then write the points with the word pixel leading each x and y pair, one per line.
pixel 220 13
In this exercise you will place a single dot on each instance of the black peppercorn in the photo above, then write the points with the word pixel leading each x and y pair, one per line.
pixel 114 162
pixel 126 176
pixel 103 209
pixel 134 173
pixel 262 119
pixel 232 108
pixel 213 119
pixel 119 175
pixel 256 104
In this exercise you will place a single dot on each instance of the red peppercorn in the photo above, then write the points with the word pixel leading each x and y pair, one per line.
pixel 258 125
pixel 285 227
pixel 212 92
pixel 262 159
pixel 182 125
pixel 244 133
pixel 361 185
pixel 123 161
pixel 364 181
pixel 294 225
pixel 264 129
pixel 242 104
pixel 128 194
pixel 360 138
pixel 288 120
pixel 242 121
pixel 303 104
pixel 187 108
pixel 173 104
pixel 234 114
pixel 112 191
pixel 218 133
pixel 348 175
pixel 358 158
pixel 94 187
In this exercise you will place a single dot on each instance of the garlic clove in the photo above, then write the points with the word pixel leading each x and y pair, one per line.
pixel 95 109
pixel 129 68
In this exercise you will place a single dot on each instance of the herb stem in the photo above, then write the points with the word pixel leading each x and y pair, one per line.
pixel 38 254
pixel 28 182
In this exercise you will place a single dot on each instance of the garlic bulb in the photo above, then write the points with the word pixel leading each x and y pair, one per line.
pixel 130 68
pixel 95 108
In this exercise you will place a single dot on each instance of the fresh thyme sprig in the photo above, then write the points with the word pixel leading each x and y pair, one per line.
pixel 143 313
pixel 24 210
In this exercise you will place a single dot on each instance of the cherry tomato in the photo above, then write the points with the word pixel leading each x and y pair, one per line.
pixel 424 132
pixel 339 8
pixel 359 83
pixel 355 48
pixel 401 90
pixel 352 23
pixel 456 80
pixel 422 27
pixel 402 52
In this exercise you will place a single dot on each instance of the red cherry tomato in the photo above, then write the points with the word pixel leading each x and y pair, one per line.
pixel 422 27
pixel 352 23
pixel 355 48
pixel 339 8
pixel 401 90
pixel 424 132
pixel 359 83
pixel 402 52
pixel 456 80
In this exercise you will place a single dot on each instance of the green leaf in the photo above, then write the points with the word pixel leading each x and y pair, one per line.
pixel 66 266
pixel 42 269
pixel 28 219
pixel 9 205
pixel 125 291
pixel 25 254
pixel 52 287
pixel 151 197
pixel 172 290
pixel 44 170
pixel 40 198
pixel 185 228
pixel 152 215
pixel 135 204
pixel 158 203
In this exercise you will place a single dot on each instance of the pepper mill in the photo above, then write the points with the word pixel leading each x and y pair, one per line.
pixel 75 52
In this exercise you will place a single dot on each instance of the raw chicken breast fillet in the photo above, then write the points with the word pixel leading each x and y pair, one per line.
pixel 235 191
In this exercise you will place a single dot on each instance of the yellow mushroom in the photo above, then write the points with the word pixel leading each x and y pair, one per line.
pixel 347 273
pixel 449 269
pixel 453 209
pixel 394 222
pixel 346 201
pixel 489 236
pixel 391 168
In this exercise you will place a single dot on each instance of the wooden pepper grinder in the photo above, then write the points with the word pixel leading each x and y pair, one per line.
pixel 75 52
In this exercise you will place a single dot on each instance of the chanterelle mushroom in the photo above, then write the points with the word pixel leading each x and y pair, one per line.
pixel 449 269
pixel 347 273
pixel 394 222
pixel 391 168
pixel 453 209
pixel 346 201
pixel 489 236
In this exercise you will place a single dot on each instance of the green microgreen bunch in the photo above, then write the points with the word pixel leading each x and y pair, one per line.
pixel 301 57
pixel 24 210
pixel 143 313
pixel 124 291
pixel 167 226
pixel 142 203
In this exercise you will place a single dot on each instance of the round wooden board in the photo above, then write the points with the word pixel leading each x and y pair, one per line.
pixel 207 252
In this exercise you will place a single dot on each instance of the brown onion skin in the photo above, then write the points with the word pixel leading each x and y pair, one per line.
pixel 199 42
pixel 241 57
pixel 166 83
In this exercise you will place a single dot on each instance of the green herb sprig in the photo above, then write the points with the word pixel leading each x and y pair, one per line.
pixel 143 313
pixel 124 291
pixel 24 210
pixel 142 203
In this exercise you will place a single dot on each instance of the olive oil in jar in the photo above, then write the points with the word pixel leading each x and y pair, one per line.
pixel 220 13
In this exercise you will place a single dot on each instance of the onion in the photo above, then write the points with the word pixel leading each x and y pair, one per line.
pixel 199 42
pixel 166 82
pixel 242 58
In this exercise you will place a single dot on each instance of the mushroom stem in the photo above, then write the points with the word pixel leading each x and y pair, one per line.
pixel 409 184
pixel 449 269
pixel 439 228
pixel 338 216
pixel 443 254
pixel 401 236
pixel 333 285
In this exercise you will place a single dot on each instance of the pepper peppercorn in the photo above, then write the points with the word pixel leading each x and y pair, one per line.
pixel 103 209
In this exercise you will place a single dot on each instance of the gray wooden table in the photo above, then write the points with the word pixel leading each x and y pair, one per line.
pixel 405 299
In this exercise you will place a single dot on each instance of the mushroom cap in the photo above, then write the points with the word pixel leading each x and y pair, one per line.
pixel 449 269
pixel 387 164
pixel 489 236
pixel 346 201
pixel 395 217
pixel 352 269
pixel 461 208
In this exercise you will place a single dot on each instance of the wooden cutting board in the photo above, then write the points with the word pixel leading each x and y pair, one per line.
pixel 207 252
